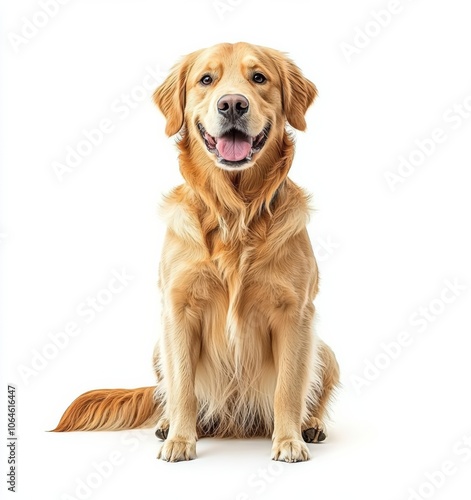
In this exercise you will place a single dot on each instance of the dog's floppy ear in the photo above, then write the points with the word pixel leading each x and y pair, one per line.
pixel 298 93
pixel 170 96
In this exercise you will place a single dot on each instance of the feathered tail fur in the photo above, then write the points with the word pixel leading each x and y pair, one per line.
pixel 111 410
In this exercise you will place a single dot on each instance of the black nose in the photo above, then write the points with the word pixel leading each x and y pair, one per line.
pixel 233 105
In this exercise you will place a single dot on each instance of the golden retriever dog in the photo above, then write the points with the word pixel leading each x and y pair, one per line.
pixel 238 356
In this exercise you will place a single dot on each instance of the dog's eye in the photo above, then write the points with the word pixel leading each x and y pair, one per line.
pixel 206 80
pixel 259 78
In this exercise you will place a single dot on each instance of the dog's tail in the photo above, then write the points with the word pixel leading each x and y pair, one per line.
pixel 111 410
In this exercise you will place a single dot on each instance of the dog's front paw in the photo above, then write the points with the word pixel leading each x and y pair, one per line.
pixel 290 450
pixel 177 450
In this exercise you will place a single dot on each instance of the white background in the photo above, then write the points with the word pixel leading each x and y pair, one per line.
pixel 391 251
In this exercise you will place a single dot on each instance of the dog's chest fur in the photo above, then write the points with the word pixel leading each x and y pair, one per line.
pixel 228 273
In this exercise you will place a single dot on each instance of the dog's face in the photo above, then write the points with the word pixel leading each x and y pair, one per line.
pixel 234 101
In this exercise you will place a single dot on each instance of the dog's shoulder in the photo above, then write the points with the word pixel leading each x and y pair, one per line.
pixel 291 212
pixel 179 211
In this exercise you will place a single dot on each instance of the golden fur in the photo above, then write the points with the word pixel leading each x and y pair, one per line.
pixel 238 356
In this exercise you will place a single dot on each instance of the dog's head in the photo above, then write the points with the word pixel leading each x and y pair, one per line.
pixel 235 100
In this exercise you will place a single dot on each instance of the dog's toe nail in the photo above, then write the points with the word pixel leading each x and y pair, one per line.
pixel 314 435
pixel 161 434
pixel 309 435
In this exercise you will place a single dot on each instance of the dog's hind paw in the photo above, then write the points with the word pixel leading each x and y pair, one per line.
pixel 162 429
pixel 315 431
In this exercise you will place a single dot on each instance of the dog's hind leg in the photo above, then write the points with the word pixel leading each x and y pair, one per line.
pixel 313 429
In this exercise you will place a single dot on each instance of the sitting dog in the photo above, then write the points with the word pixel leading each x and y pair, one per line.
pixel 238 356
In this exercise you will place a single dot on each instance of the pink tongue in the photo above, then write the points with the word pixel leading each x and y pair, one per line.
pixel 233 147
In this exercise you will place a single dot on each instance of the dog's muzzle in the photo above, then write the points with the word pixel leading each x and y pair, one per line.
pixel 233 146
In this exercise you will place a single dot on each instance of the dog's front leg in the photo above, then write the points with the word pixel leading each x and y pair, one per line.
pixel 180 353
pixel 291 346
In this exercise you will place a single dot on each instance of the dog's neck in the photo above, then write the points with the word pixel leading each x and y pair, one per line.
pixel 236 198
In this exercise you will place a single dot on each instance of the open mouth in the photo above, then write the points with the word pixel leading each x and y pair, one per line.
pixel 234 148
